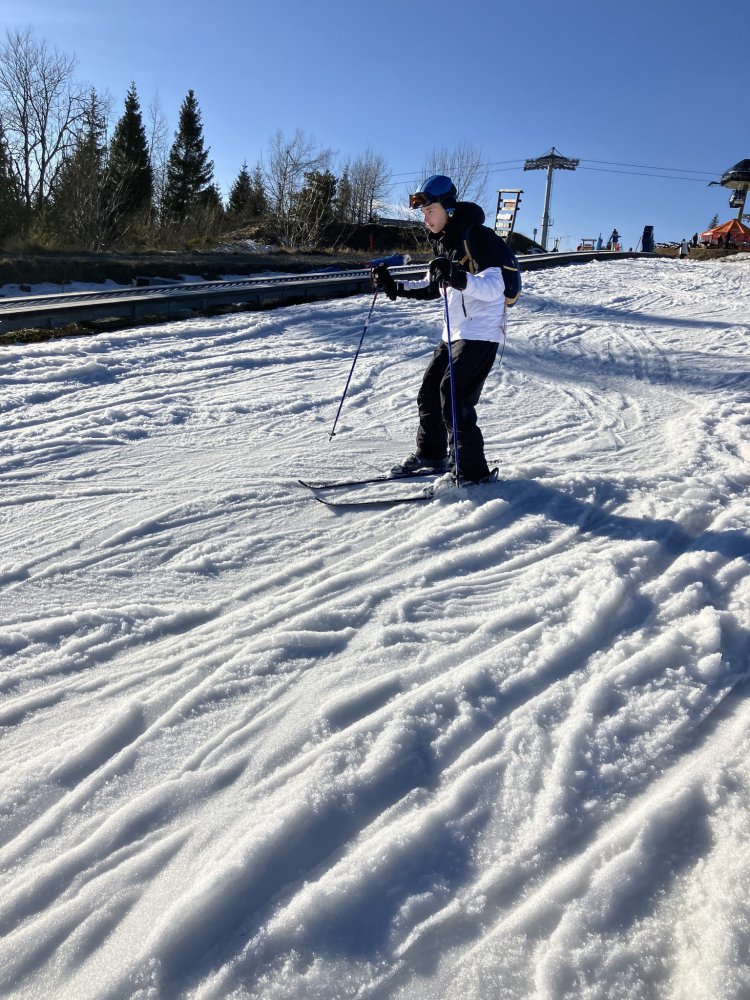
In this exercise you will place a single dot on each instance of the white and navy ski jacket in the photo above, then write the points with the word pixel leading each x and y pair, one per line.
pixel 493 281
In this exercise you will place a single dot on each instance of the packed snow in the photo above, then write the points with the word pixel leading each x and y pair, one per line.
pixel 496 745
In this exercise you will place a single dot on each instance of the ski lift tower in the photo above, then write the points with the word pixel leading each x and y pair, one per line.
pixel 552 160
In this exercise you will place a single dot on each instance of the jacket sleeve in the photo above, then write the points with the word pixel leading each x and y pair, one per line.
pixel 422 288
pixel 487 286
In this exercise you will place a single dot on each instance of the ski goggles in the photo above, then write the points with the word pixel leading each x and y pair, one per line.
pixel 420 199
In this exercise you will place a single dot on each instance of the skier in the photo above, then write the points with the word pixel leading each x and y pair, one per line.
pixel 473 268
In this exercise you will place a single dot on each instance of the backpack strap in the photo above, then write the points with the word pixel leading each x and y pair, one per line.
pixel 467 261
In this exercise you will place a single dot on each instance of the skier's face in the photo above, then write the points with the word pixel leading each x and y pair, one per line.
pixel 435 217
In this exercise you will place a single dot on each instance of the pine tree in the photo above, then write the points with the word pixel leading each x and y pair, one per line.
pixel 317 197
pixel 258 205
pixel 189 170
pixel 130 179
pixel 344 197
pixel 247 196
pixel 78 213
pixel 210 198
pixel 11 212
pixel 240 194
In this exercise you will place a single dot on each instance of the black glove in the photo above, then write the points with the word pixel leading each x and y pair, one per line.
pixel 446 272
pixel 384 281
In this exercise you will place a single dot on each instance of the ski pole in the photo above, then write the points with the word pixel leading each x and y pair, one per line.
pixel 453 387
pixel 351 370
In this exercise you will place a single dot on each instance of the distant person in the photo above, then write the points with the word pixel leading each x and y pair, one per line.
pixel 695 239
pixel 684 249
pixel 720 241
pixel 477 275
pixel 729 242
pixel 614 240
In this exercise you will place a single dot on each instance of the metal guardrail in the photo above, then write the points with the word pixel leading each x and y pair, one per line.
pixel 534 261
pixel 174 301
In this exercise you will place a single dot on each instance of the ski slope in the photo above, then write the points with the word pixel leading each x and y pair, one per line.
pixel 492 746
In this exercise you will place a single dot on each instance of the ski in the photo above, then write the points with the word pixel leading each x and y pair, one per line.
pixel 378 501
pixel 357 499
pixel 336 484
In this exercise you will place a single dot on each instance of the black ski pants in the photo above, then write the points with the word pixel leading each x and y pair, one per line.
pixel 472 362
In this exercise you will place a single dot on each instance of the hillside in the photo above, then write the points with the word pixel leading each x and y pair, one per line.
pixel 495 745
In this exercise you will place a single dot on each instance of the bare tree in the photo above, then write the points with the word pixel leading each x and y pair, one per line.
pixel 369 180
pixel 463 164
pixel 288 162
pixel 41 106
pixel 158 151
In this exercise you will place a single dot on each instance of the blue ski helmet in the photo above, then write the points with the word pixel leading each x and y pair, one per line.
pixel 437 188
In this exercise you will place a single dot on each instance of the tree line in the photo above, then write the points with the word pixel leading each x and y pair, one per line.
pixel 66 181
pixel 70 180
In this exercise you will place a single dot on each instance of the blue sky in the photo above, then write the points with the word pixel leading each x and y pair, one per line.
pixel 656 84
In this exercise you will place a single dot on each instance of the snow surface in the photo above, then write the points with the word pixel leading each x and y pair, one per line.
pixel 495 746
